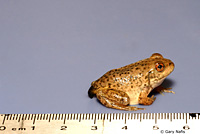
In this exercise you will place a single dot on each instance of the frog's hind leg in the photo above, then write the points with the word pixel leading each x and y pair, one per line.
pixel 91 92
pixel 115 99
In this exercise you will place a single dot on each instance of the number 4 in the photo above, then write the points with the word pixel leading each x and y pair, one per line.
pixel 125 127
pixel 94 128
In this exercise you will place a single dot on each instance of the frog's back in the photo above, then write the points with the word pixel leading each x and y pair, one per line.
pixel 120 78
pixel 127 79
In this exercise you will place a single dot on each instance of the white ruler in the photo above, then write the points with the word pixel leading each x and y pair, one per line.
pixel 139 123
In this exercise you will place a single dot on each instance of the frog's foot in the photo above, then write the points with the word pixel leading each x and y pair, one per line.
pixel 161 89
pixel 115 99
pixel 147 100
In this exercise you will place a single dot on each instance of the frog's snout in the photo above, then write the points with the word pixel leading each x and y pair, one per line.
pixel 171 64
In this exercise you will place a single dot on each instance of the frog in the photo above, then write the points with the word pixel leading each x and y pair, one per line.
pixel 123 87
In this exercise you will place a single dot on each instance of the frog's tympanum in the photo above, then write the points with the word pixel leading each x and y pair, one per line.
pixel 129 85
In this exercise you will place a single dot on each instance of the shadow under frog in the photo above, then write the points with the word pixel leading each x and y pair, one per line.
pixel 167 83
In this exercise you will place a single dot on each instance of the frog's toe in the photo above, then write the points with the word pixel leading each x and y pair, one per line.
pixel 131 108
pixel 128 108
pixel 147 100
pixel 167 91
pixel 153 98
pixel 161 90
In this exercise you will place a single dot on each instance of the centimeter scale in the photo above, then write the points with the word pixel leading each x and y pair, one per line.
pixel 116 123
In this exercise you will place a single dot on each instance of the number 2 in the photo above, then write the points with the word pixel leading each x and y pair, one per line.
pixel 63 128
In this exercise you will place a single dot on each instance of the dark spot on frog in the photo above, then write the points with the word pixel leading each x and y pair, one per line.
pixel 136 64
pixel 136 68
pixel 102 81
pixel 118 85
pixel 109 85
pixel 106 76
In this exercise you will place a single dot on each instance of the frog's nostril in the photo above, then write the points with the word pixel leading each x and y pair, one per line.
pixel 171 63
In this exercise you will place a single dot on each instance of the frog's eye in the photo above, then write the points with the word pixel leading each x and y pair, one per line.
pixel 159 67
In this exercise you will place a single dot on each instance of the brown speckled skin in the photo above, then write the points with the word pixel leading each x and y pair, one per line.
pixel 131 84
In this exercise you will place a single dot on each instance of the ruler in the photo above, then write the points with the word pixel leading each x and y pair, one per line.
pixel 116 123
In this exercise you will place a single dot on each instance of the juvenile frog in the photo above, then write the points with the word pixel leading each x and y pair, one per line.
pixel 130 85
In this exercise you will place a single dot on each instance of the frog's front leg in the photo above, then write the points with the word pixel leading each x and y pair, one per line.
pixel 161 89
pixel 144 100
pixel 115 99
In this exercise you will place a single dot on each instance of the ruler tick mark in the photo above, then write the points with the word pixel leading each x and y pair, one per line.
pixel 186 118
pixel 4 120
pixel 64 119
pixel 19 118
pixel 94 118
pixel 49 117
pixel 171 117
pixel 80 118
pixel 125 119
pixel 34 118
pixel 155 118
